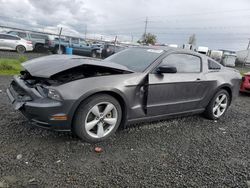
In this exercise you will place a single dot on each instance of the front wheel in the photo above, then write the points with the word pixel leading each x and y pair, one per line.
pixel 20 49
pixel 218 105
pixel 97 118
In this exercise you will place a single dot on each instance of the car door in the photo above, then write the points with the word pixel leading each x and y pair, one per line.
pixel 3 41
pixel 171 93
pixel 75 45
pixel 11 42
pixel 85 47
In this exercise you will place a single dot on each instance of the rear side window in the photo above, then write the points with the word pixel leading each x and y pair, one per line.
pixel 2 36
pixel 8 37
pixel 212 65
pixel 75 40
pixel 37 36
pixel 22 35
pixel 184 63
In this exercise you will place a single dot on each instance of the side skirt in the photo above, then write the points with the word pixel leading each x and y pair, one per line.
pixel 164 116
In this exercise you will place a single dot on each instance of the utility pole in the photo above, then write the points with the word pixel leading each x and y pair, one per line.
pixel 60 32
pixel 86 31
pixel 146 26
pixel 248 44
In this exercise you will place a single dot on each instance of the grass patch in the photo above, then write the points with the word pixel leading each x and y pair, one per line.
pixel 243 69
pixel 11 66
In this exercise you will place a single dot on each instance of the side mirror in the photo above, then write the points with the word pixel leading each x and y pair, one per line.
pixel 166 69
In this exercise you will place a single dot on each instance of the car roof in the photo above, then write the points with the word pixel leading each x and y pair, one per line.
pixel 172 49
pixel 9 35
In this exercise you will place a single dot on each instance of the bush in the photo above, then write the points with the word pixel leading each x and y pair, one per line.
pixel 22 59
pixel 6 66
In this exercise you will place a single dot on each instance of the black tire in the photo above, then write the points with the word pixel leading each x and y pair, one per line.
pixel 60 50
pixel 209 109
pixel 94 54
pixel 39 48
pixel 20 49
pixel 83 112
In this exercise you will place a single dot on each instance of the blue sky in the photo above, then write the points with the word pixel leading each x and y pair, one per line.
pixel 217 24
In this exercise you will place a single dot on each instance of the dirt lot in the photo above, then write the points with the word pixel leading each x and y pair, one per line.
pixel 183 152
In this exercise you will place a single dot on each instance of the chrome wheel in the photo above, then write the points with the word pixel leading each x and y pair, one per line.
pixel 220 105
pixel 101 119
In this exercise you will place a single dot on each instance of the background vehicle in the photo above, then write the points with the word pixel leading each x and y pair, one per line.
pixel 80 46
pixel 203 50
pixel 37 39
pixel 10 42
pixel 245 85
pixel 110 49
pixel 93 97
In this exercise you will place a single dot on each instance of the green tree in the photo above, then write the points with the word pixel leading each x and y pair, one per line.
pixel 148 38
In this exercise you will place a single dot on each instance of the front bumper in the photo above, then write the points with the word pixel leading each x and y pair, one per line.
pixel 39 110
pixel 29 48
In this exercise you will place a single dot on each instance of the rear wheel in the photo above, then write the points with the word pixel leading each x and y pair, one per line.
pixel 20 49
pixel 39 48
pixel 218 105
pixel 94 54
pixel 97 118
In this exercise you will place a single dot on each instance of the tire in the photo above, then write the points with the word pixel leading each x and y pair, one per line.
pixel 94 54
pixel 59 51
pixel 97 118
pixel 20 49
pixel 218 106
pixel 39 48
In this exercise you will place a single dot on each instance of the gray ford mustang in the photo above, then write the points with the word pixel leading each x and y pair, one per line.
pixel 93 97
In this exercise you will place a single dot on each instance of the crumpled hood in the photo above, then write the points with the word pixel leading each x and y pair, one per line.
pixel 47 66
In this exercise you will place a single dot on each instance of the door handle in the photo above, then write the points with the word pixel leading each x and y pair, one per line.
pixel 198 79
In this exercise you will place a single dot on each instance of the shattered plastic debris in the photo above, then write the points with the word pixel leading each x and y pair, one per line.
pixel 98 149
pixel 18 157
pixel 222 129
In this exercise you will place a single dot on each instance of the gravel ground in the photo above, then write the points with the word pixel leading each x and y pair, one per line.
pixel 183 152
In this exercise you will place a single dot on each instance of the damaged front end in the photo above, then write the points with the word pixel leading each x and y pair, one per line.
pixel 34 92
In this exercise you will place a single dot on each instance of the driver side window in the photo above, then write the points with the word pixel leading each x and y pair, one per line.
pixel 184 63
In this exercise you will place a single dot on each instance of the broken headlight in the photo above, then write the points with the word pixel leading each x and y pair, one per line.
pixel 53 94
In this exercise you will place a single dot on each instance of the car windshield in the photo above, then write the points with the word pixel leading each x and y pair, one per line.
pixel 136 59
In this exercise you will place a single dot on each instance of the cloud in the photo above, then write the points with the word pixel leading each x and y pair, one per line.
pixel 217 25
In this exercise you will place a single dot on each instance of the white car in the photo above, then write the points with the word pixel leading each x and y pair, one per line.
pixel 10 42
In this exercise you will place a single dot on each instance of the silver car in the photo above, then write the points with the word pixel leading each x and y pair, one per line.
pixel 10 42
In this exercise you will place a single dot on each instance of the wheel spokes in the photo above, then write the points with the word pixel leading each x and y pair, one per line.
pixel 218 112
pixel 222 98
pixel 95 111
pixel 223 106
pixel 90 125
pixel 100 130
pixel 108 109
pixel 110 121
pixel 215 109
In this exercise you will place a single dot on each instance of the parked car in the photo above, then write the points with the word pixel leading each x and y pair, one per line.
pixel 110 49
pixel 94 97
pixel 37 39
pixel 80 46
pixel 245 85
pixel 10 42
